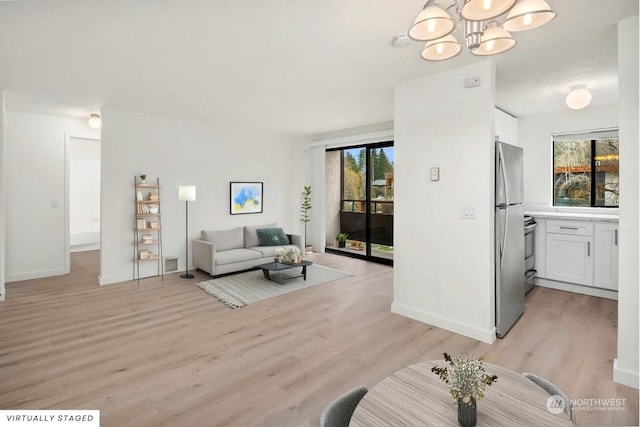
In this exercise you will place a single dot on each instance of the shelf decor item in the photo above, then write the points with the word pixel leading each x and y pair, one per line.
pixel 468 381
pixel 245 197
pixel 143 179
pixel 187 193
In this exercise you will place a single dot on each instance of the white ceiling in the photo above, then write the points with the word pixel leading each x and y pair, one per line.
pixel 298 67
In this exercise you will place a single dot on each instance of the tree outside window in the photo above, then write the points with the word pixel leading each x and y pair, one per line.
pixel 585 170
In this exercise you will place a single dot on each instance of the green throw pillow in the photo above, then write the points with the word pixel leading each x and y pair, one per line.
pixel 272 237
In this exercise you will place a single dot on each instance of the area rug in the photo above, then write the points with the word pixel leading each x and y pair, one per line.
pixel 242 289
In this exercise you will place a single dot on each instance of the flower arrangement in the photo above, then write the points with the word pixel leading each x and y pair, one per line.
pixel 288 255
pixel 467 378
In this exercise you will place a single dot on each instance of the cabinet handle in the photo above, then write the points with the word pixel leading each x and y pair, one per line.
pixel 588 248
pixel 568 228
pixel 616 237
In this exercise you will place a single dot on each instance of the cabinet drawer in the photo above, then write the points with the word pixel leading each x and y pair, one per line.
pixel 579 228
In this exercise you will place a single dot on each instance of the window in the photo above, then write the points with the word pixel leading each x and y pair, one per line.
pixel 585 169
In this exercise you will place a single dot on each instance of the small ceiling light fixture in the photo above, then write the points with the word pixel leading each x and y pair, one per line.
pixel 578 97
pixel 95 121
pixel 476 19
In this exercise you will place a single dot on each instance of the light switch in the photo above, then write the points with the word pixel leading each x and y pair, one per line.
pixel 54 204
pixel 435 174
pixel 468 212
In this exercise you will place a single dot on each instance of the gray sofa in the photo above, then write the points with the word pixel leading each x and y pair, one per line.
pixel 226 251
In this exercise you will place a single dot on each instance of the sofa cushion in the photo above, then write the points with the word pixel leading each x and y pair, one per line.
pixel 272 251
pixel 272 237
pixel 224 239
pixel 236 255
pixel 251 236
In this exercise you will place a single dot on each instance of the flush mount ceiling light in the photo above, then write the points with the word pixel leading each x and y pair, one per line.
pixel 95 121
pixel 476 19
pixel 579 97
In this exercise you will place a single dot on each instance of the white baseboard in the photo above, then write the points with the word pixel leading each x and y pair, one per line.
pixel 487 336
pixel 624 377
pixel 114 278
pixel 36 275
pixel 578 289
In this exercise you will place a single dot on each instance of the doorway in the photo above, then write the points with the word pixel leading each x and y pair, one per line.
pixel 83 191
pixel 360 201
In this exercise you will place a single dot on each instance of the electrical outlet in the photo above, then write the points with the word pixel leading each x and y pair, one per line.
pixel 472 82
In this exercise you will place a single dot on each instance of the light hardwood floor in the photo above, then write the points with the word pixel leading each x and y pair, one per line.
pixel 166 353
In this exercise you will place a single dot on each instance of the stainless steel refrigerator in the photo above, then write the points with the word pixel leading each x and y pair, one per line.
pixel 509 239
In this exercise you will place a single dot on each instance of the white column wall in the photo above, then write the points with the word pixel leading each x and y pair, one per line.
pixel 443 264
pixel 188 153
pixel 625 368
pixel 35 192
pixel 317 225
pixel 3 201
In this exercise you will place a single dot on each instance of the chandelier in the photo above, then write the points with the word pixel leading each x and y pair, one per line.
pixel 484 35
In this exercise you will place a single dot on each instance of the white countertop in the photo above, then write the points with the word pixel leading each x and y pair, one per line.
pixel 575 216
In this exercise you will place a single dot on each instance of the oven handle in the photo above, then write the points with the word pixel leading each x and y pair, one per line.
pixel 529 228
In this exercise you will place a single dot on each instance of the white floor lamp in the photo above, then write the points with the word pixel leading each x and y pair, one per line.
pixel 188 194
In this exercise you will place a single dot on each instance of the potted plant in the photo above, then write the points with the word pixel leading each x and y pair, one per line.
pixel 143 178
pixel 304 214
pixel 341 238
pixel 468 381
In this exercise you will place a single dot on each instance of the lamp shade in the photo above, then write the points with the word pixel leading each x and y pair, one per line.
pixel 528 14
pixel 187 193
pixel 495 40
pixel 430 24
pixel 95 121
pixel 482 10
pixel 441 49
pixel 579 97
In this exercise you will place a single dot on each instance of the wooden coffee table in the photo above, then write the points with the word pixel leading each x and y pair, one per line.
pixel 280 266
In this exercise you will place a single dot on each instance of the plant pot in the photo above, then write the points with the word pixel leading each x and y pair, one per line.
pixel 467 413
pixel 342 244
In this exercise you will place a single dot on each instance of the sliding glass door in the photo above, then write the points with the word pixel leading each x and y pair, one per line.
pixel 360 202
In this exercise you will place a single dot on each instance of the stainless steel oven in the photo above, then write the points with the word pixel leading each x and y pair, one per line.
pixel 529 253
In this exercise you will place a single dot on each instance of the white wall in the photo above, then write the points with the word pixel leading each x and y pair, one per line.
pixel 535 136
pixel 625 369
pixel 185 153
pixel 36 235
pixel 3 204
pixel 444 265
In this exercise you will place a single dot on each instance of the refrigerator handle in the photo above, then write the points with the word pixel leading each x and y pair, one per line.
pixel 503 239
pixel 503 176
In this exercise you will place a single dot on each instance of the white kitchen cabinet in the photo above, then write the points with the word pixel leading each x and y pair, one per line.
pixel 570 251
pixel 506 127
pixel 570 258
pixel 605 273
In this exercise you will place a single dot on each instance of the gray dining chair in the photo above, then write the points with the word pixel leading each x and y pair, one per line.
pixel 552 389
pixel 338 413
